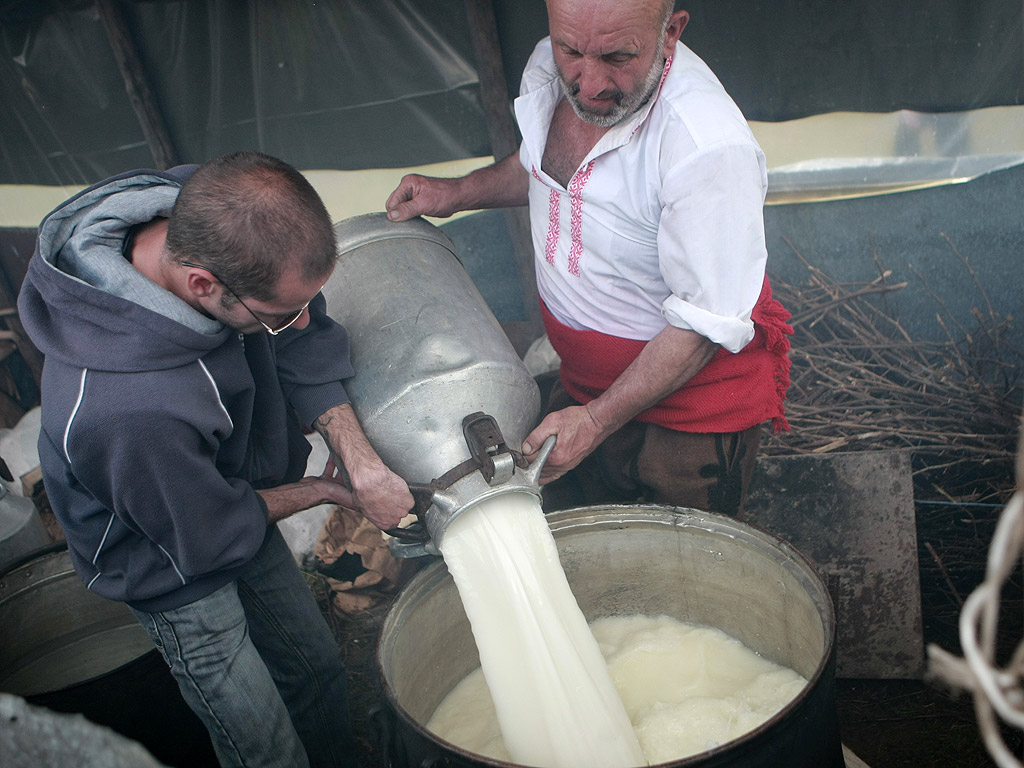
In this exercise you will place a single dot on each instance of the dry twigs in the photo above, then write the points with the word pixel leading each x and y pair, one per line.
pixel 860 382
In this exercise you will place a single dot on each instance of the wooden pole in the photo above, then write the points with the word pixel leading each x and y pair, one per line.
pixel 487 51
pixel 504 141
pixel 154 128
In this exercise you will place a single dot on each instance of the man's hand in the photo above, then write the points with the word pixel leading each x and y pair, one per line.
pixel 577 433
pixel 667 362
pixel 377 492
pixel 381 495
pixel 422 196
pixel 500 185
pixel 381 500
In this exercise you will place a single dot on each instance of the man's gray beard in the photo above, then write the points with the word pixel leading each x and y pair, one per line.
pixel 625 105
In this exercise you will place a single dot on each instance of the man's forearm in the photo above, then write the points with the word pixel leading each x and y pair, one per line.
pixel 667 362
pixel 371 487
pixel 345 438
pixel 381 495
pixel 285 500
pixel 504 184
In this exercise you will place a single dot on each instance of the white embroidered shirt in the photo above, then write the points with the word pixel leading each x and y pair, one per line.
pixel 662 222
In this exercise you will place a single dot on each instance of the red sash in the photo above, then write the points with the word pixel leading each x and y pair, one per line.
pixel 731 393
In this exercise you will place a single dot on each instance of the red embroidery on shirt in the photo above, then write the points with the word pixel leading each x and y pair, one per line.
pixel 668 66
pixel 551 245
pixel 579 181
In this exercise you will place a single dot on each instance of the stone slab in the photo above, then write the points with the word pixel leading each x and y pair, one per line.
pixel 852 516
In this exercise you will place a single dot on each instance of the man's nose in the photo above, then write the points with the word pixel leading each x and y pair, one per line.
pixel 593 78
pixel 303 320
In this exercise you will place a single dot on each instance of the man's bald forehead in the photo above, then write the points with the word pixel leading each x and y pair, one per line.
pixel 660 9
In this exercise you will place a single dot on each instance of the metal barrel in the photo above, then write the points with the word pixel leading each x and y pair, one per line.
pixel 694 566
pixel 56 632
pixel 426 348
pixel 66 649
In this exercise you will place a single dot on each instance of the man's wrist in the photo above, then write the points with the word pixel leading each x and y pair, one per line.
pixel 346 439
pixel 602 418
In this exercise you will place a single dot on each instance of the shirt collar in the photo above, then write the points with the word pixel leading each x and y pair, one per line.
pixel 623 132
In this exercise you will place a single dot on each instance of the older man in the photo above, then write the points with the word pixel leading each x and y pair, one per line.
pixel 185 337
pixel 645 189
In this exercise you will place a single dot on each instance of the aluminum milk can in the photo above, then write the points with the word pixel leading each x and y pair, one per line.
pixel 433 366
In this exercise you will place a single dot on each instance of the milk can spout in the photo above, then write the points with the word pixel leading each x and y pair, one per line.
pixel 440 502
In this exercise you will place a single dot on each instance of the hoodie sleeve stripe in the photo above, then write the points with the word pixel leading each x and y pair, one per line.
pixel 74 412
pixel 216 392
pixel 174 565
pixel 103 541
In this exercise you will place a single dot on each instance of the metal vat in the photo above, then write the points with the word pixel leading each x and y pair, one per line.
pixel 67 649
pixel 621 560
pixel 56 633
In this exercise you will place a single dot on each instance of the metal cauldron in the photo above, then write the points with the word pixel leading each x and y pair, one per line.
pixel 56 633
pixel 619 560
pixel 69 650
pixel 439 389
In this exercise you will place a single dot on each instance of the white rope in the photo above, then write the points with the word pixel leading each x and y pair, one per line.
pixel 997 690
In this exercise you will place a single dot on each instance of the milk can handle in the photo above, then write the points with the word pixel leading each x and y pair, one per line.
pixel 533 471
pixel 423 495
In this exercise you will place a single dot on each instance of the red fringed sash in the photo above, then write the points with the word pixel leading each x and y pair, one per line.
pixel 731 393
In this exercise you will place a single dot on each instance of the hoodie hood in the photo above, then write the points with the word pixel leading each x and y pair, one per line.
pixel 83 303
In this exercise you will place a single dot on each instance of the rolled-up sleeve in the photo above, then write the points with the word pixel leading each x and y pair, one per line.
pixel 711 242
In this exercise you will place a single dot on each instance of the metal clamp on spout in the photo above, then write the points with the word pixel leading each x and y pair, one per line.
pixel 493 468
pixel 496 461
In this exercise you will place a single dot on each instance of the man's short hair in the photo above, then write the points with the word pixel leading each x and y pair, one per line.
pixel 668 7
pixel 246 216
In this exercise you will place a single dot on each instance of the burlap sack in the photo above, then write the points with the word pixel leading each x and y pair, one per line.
pixel 353 554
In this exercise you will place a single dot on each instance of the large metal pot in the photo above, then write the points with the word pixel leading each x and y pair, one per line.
pixel 620 560
pixel 67 649
pixel 56 633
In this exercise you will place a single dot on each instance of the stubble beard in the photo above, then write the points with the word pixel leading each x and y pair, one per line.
pixel 625 104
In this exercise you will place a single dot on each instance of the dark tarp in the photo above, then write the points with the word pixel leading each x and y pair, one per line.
pixel 348 84
pixel 342 85
pixel 784 59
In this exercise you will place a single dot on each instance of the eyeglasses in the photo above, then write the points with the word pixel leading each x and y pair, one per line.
pixel 273 331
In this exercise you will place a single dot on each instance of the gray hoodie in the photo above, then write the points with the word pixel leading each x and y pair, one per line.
pixel 158 422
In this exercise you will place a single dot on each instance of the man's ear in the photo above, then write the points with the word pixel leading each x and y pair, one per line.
pixel 676 24
pixel 200 283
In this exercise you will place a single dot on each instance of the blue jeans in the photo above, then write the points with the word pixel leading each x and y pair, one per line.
pixel 258 664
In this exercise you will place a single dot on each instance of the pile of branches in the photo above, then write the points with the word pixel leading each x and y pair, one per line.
pixel 860 382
